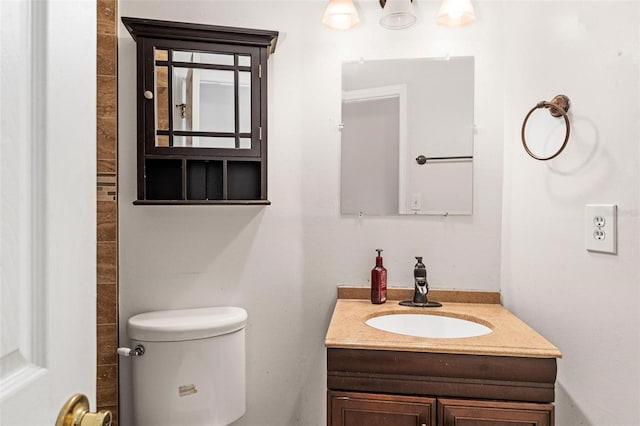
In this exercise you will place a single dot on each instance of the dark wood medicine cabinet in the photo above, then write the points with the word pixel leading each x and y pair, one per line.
pixel 202 112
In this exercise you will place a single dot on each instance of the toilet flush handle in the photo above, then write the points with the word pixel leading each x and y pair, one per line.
pixel 137 351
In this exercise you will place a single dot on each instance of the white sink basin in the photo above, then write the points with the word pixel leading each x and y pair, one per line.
pixel 426 325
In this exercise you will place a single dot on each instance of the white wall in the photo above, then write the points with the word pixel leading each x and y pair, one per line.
pixel 282 262
pixel 586 303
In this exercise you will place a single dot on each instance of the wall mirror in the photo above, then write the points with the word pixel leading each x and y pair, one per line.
pixel 407 136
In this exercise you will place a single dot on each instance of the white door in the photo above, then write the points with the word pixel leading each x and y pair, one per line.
pixel 47 207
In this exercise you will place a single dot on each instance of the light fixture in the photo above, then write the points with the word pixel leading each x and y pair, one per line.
pixel 340 15
pixel 456 13
pixel 397 14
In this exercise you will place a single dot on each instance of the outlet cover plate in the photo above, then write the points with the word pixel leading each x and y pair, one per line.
pixel 600 228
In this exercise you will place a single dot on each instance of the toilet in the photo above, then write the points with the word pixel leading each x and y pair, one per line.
pixel 189 366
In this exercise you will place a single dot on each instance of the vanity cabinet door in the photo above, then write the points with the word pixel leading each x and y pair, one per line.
pixel 493 413
pixel 359 409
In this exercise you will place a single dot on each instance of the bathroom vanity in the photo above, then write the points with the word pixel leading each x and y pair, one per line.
pixel 376 377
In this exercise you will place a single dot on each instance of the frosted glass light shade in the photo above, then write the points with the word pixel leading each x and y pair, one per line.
pixel 456 13
pixel 340 15
pixel 398 14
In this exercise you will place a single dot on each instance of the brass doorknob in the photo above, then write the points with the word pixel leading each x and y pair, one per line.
pixel 75 412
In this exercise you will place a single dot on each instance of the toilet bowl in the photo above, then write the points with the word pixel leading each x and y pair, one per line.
pixel 192 368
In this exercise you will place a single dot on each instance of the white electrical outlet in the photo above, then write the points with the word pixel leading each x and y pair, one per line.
pixel 416 201
pixel 600 228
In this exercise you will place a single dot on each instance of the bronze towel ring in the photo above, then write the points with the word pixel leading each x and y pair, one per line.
pixel 558 107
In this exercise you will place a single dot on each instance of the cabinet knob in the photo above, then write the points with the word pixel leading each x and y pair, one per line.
pixel 148 94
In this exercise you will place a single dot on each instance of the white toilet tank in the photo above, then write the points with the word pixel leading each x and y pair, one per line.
pixel 192 372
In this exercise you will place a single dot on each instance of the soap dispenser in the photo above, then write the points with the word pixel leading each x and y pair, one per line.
pixel 378 281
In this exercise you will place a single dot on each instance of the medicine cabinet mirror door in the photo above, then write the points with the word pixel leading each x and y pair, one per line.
pixel 407 136
pixel 206 98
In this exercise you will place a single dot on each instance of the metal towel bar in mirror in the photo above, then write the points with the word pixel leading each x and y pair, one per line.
pixel 546 150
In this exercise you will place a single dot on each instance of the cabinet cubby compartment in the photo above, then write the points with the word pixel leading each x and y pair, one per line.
pixel 244 181
pixel 205 180
pixel 163 179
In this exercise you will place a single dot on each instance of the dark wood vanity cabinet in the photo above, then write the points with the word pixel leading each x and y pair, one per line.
pixel 374 387
pixel 202 112
pixel 370 409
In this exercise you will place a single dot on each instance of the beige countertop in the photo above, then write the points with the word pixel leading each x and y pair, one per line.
pixel 510 336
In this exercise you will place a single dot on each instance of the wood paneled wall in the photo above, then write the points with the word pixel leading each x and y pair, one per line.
pixel 107 207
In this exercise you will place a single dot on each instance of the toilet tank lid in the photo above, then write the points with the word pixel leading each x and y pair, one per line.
pixel 186 324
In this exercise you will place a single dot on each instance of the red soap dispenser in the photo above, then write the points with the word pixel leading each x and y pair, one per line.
pixel 378 281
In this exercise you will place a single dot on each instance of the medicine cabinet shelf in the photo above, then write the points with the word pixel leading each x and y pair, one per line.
pixel 202 112
pixel 202 181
